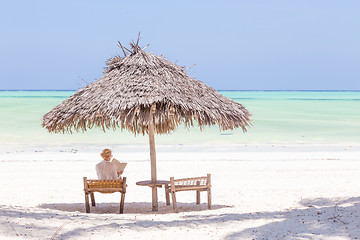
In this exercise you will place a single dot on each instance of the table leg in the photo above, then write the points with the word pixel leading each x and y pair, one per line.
pixel 155 203
pixel 167 194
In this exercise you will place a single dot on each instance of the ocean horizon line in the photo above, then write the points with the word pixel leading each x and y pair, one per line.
pixel 223 90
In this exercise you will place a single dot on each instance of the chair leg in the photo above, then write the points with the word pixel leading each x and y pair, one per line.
pixel 122 203
pixel 198 193
pixel 167 194
pixel 209 198
pixel 172 188
pixel 197 197
pixel 92 199
pixel 174 200
pixel 87 205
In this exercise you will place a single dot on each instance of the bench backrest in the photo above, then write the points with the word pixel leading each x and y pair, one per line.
pixel 194 183
pixel 96 185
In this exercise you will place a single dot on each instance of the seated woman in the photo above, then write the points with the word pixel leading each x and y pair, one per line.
pixel 106 170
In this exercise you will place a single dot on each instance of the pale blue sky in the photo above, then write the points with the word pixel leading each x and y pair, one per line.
pixel 244 45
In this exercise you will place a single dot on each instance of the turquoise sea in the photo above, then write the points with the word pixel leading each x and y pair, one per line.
pixel 279 117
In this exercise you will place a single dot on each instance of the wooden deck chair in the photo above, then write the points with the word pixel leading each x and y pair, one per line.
pixel 104 186
pixel 197 184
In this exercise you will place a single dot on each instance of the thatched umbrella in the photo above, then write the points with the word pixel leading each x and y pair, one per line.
pixel 146 94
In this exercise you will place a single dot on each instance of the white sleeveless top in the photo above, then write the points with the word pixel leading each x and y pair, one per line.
pixel 106 170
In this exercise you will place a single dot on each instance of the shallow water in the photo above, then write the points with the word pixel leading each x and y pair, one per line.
pixel 293 117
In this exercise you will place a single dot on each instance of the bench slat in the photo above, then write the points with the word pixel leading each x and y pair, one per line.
pixel 105 190
pixel 178 189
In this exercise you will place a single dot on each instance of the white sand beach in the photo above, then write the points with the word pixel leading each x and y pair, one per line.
pixel 259 192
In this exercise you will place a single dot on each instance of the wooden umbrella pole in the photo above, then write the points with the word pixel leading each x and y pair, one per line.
pixel 153 159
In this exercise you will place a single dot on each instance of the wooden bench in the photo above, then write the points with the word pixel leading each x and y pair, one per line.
pixel 104 186
pixel 197 184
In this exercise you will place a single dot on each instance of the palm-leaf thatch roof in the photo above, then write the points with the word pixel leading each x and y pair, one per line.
pixel 131 84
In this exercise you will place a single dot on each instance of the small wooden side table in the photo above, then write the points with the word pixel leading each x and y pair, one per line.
pixel 159 184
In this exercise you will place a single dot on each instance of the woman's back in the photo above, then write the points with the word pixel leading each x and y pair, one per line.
pixel 106 170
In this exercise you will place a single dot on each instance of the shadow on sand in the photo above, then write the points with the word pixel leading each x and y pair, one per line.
pixel 317 217
pixel 330 218
pixel 130 208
